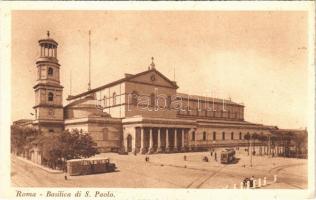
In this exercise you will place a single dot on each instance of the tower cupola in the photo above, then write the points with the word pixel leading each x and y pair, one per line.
pixel 48 50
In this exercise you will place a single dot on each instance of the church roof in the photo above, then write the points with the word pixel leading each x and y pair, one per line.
pixel 207 98
pixel 88 105
pixel 126 78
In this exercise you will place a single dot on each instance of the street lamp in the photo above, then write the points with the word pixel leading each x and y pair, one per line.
pixel 213 144
pixel 251 150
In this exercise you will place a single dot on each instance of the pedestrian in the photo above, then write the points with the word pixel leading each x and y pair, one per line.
pixel 215 156
pixel 184 157
pixel 211 153
pixel 251 180
pixel 65 176
pixel 65 173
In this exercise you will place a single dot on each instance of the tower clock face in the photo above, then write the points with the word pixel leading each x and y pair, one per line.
pixel 51 112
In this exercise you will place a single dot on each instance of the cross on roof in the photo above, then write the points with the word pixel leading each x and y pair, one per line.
pixel 152 63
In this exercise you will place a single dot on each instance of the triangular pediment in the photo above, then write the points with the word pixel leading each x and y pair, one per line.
pixel 153 77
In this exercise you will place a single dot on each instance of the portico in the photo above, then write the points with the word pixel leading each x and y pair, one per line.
pixel 160 137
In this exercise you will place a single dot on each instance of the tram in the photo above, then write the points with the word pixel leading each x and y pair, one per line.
pixel 228 156
pixel 86 166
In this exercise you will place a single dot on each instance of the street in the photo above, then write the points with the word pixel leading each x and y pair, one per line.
pixel 171 171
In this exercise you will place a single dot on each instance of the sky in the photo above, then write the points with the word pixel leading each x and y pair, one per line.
pixel 255 58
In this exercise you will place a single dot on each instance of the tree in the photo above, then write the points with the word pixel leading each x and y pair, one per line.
pixel 57 148
pixel 287 138
pixel 274 141
pixel 21 138
pixel 300 144
pixel 50 146
pixel 247 137
pixel 262 139
pixel 254 137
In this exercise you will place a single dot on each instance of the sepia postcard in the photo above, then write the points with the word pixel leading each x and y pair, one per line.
pixel 157 100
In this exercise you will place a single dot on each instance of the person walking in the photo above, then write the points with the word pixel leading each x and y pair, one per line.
pixel 251 181
pixel 65 173
pixel 65 176
pixel 215 156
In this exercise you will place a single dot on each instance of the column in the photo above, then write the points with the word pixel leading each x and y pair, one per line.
pixel 269 146
pixel 142 140
pixel 150 149
pixel 175 140
pixel 46 51
pixel 167 147
pixel 182 140
pixel 134 147
pixel 189 139
pixel 159 149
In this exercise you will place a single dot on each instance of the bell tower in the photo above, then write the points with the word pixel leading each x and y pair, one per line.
pixel 49 116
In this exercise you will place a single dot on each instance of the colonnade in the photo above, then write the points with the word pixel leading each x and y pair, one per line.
pixel 158 140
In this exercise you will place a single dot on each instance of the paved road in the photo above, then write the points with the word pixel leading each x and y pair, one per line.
pixel 166 171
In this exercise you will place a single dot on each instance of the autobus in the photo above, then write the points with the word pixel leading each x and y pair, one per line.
pixel 228 156
pixel 86 166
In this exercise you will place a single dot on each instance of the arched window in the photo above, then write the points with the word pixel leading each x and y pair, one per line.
pixel 232 135
pixel 247 136
pixel 134 98
pixel 50 71
pixel 204 135
pixel 193 135
pixel 114 98
pixel 223 136
pixel 50 96
pixel 169 102
pixel 152 99
pixel 214 135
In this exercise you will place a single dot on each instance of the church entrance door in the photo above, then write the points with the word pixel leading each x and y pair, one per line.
pixel 129 143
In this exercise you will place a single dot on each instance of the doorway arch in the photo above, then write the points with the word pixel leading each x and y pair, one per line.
pixel 129 143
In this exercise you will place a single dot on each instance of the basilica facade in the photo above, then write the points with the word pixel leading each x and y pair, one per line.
pixel 139 113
